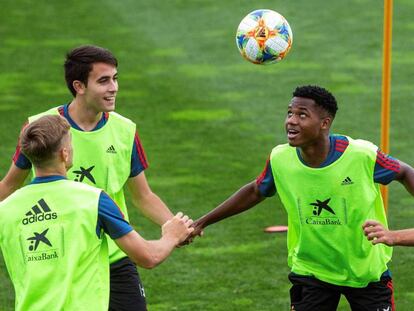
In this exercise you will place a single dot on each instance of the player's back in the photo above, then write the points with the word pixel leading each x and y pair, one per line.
pixel 53 254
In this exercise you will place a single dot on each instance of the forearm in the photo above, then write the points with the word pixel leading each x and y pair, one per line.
pixel 149 254
pixel 161 249
pixel 146 254
pixel 403 237
pixel 6 190
pixel 148 202
pixel 154 208
pixel 409 183
pixel 13 180
pixel 406 177
pixel 244 199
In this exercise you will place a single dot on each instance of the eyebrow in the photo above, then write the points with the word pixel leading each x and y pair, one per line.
pixel 300 108
pixel 107 77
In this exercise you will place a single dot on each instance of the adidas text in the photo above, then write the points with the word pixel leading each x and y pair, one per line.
pixel 41 217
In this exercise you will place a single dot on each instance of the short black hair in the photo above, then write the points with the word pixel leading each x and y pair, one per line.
pixel 80 60
pixel 321 96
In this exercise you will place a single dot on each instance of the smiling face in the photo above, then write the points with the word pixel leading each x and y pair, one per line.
pixel 100 92
pixel 306 123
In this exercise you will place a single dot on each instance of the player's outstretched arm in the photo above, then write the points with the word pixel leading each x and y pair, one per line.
pixel 406 177
pixel 147 201
pixel 244 199
pixel 149 254
pixel 377 233
pixel 13 180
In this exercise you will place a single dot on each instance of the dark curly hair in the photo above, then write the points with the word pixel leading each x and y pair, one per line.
pixel 321 96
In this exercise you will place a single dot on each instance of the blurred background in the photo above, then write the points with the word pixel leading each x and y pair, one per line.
pixel 208 120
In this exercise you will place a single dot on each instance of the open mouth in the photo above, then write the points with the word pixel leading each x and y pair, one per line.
pixel 292 133
pixel 109 98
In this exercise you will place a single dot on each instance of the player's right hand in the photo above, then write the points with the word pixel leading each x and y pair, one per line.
pixel 377 233
pixel 178 227
pixel 198 227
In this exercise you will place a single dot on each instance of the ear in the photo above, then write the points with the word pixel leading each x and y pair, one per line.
pixel 64 154
pixel 79 87
pixel 326 123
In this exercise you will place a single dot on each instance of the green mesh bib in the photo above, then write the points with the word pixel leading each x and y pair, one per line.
pixel 51 250
pixel 102 159
pixel 326 209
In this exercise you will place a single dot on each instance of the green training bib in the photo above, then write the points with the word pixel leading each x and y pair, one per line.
pixel 326 209
pixel 102 159
pixel 52 252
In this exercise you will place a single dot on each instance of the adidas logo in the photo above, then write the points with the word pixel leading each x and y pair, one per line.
pixel 111 149
pixel 40 212
pixel 347 181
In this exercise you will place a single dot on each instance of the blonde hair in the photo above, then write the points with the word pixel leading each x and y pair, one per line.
pixel 41 139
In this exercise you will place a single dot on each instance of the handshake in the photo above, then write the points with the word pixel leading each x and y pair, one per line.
pixel 181 229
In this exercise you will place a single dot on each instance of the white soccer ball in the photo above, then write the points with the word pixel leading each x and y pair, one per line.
pixel 264 37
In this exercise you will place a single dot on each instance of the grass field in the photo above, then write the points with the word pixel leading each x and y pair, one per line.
pixel 208 120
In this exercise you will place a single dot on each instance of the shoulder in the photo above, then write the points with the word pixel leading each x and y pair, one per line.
pixel 363 145
pixel 124 127
pixel 12 196
pixel 119 118
pixel 11 200
pixel 52 111
pixel 279 149
pixel 80 187
pixel 364 148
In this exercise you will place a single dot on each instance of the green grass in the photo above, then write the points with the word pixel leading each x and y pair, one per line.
pixel 208 119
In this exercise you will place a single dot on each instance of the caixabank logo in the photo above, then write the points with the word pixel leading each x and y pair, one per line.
pixel 40 247
pixel 83 173
pixel 323 214
pixel 39 212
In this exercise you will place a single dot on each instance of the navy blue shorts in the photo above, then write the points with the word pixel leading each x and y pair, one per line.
pixel 126 290
pixel 310 294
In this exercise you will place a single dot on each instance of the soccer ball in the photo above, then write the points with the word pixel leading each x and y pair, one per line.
pixel 264 37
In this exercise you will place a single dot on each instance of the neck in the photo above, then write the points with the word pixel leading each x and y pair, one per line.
pixel 50 171
pixel 85 117
pixel 315 154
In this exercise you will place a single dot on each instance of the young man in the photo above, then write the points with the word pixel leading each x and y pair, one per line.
pixel 51 231
pixel 108 155
pixel 328 185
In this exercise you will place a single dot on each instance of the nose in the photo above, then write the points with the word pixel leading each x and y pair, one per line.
pixel 292 119
pixel 113 87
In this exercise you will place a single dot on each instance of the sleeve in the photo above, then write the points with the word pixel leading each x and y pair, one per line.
pixel 265 181
pixel 138 159
pixel 110 218
pixel 19 159
pixel 386 168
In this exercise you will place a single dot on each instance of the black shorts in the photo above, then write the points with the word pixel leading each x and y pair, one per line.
pixel 126 290
pixel 310 294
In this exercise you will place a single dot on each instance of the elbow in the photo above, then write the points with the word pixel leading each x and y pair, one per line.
pixel 149 266
pixel 151 263
pixel 147 262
